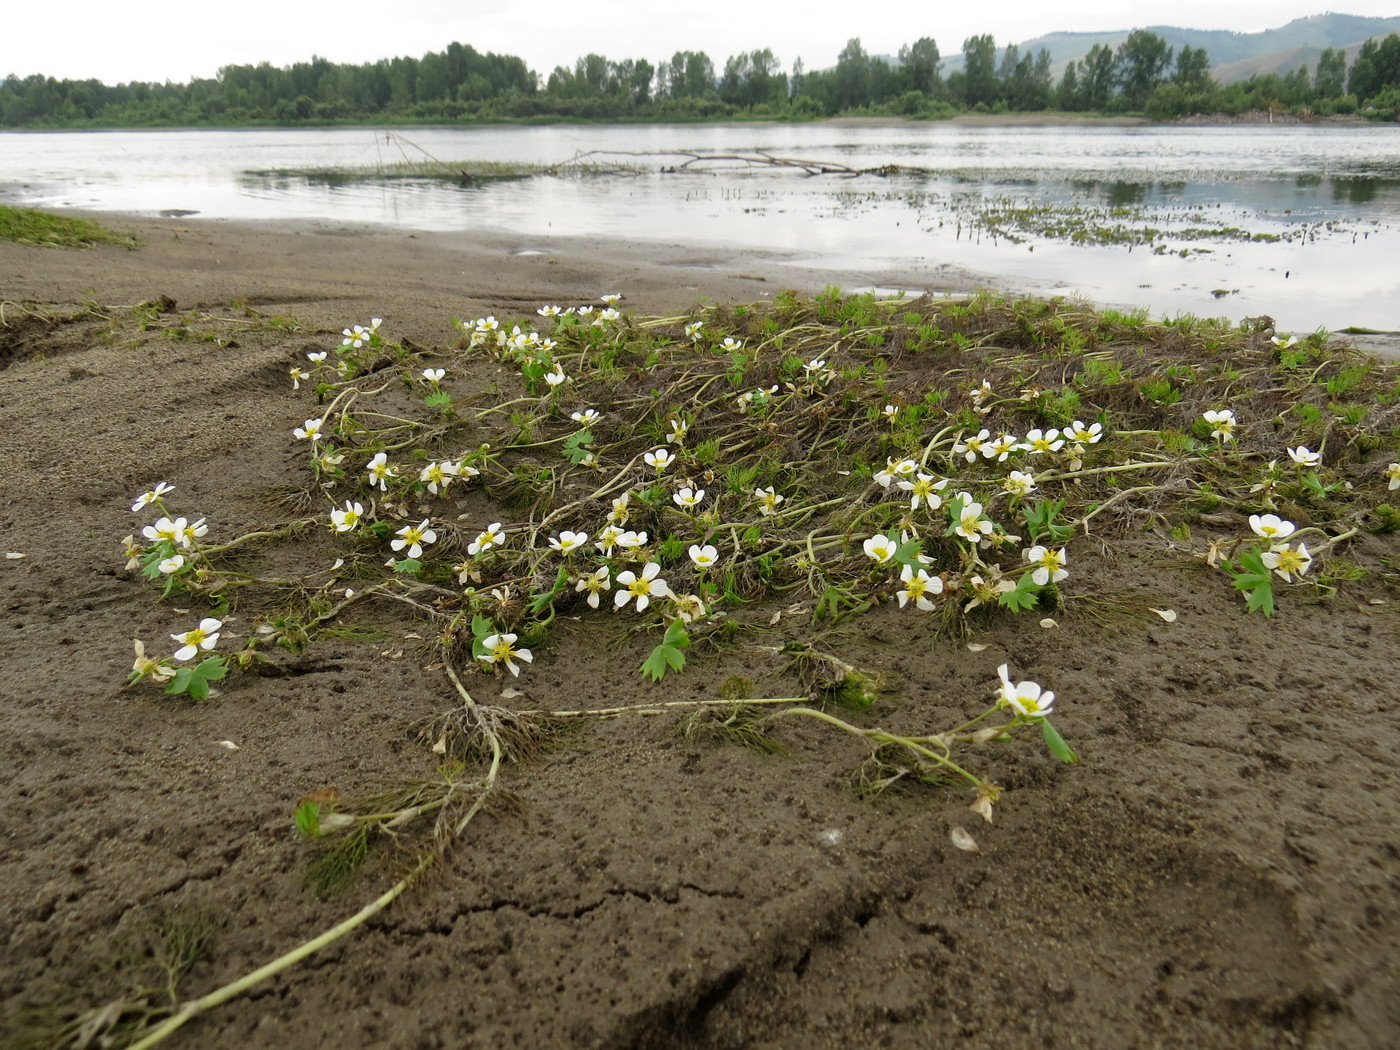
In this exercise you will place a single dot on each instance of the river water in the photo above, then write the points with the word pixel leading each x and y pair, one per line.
pixel 1301 223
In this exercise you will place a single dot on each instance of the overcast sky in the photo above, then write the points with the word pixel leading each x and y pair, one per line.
pixel 122 40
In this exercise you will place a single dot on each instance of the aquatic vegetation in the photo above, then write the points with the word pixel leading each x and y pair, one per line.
pixel 791 465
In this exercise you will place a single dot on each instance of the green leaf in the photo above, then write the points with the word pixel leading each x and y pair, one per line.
pixel 308 819
pixel 908 553
pixel 195 680
pixel 438 399
pixel 676 634
pixel 1041 521
pixel 1056 743
pixel 1024 597
pixel 409 566
pixel 1254 580
pixel 482 628
pixel 540 602
pixel 575 450
pixel 667 656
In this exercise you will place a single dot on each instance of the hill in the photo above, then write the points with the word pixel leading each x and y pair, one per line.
pixel 1233 56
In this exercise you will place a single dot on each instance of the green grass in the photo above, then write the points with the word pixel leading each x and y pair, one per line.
pixel 45 230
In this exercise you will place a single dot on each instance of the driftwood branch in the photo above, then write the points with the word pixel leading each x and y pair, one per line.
pixel 688 160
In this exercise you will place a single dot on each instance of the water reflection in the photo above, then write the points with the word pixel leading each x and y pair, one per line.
pixel 1313 193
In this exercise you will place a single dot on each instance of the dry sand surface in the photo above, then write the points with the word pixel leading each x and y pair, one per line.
pixel 1221 871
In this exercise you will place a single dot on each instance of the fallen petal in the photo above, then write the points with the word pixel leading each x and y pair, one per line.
pixel 228 744
pixel 1167 614
pixel 963 841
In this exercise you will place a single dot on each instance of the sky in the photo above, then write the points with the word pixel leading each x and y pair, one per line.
pixel 159 40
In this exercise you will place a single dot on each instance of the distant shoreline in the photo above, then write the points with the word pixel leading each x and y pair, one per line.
pixel 1047 118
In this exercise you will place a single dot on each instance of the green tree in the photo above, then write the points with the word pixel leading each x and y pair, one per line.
pixel 1096 78
pixel 921 62
pixel 1331 77
pixel 851 80
pixel 979 70
pixel 1192 69
pixel 1143 60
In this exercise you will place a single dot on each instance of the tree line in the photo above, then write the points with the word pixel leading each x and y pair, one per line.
pixel 1142 75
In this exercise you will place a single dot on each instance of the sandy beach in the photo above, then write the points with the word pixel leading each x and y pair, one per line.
pixel 1219 871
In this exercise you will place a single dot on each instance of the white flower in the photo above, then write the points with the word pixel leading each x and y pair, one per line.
pixel 204 637
pixel 1018 483
pixel 971 525
pixel 584 311
pixel 1303 457
pixel 610 314
pixel 658 459
pixel 1284 344
pixel 485 325
pixel 619 513
pixel 972 447
pixel 170 566
pixel 1082 435
pixel 611 299
pixel 890 412
pixel 188 533
pixel 595 583
pixel 692 330
pixel 1270 527
pixel 1002 447
pixel 917 587
pixel 896 468
pixel 316 356
pixel 814 365
pixel 355 337
pixel 1393 473
pixel 556 378
pixel 1049 564
pixel 548 311
pixel 164 529
pixel 1049 441
pixel 924 488
pixel 703 557
pixel 980 393
pixel 434 375
pixel 1223 421
pixel 679 427
pixel 757 397
pixel 151 495
pixel 607 538
pixel 310 432
pixel 880 547
pixel 643 588
pixel 500 649
pixel 768 501
pixel 413 537
pixel 587 417
pixel 688 498
pixel 380 472
pixel 297 375
pixel 492 537
pixel 632 540
pixel 567 542
pixel 689 607
pixel 1286 561
pixel 1025 698
pixel 347 520
pixel 731 345
pixel 437 476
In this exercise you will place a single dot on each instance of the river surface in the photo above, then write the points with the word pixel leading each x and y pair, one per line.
pixel 1301 223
